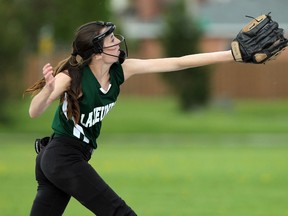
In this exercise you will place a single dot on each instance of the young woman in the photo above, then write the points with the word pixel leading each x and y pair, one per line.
pixel 88 84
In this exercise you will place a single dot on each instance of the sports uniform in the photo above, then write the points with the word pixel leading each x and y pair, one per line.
pixel 62 168
pixel 95 103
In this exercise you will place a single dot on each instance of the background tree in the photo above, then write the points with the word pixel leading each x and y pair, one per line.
pixel 181 37
pixel 20 24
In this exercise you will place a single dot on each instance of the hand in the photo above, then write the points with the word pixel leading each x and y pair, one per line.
pixel 49 78
pixel 259 41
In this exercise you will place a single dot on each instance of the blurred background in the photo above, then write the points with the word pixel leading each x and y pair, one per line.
pixel 205 141
pixel 34 33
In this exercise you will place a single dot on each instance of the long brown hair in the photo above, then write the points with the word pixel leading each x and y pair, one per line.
pixel 82 46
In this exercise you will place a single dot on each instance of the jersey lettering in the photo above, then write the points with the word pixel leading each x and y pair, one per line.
pixel 95 116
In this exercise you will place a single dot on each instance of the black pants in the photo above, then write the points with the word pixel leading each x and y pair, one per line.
pixel 62 171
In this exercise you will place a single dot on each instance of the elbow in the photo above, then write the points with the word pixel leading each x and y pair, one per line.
pixel 32 114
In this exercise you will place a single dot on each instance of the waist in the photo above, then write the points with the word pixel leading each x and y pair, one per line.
pixel 87 147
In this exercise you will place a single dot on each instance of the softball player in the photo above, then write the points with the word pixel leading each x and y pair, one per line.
pixel 88 84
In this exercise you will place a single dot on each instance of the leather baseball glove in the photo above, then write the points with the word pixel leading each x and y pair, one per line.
pixel 259 41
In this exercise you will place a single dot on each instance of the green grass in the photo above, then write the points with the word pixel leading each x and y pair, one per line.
pixel 167 174
pixel 161 115
pixel 221 161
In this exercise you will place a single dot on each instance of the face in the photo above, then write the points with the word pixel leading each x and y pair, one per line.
pixel 111 47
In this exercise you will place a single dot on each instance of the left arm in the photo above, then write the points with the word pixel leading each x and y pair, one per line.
pixel 137 66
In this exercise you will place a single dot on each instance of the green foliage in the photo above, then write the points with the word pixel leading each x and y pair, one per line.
pixel 12 40
pixel 181 37
pixel 63 17
pixel 20 25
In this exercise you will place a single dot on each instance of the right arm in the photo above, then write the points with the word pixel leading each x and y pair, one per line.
pixel 137 66
pixel 54 87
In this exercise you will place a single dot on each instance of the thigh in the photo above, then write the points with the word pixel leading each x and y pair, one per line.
pixel 95 194
pixel 65 166
pixel 49 200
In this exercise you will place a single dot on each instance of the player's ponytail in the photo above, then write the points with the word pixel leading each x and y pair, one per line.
pixel 82 53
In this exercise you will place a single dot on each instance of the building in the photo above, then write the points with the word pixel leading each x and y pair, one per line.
pixel 142 20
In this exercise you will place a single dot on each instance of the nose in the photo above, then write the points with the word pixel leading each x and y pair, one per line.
pixel 118 41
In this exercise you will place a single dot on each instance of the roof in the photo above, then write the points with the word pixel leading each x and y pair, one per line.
pixel 227 17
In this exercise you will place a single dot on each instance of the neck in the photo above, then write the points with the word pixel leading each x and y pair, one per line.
pixel 99 69
pixel 101 72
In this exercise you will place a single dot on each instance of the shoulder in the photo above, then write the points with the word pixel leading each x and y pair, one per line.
pixel 63 79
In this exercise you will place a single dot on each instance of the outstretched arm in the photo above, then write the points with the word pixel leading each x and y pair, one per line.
pixel 137 66
pixel 54 87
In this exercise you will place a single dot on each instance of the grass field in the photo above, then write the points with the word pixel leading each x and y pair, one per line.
pixel 210 162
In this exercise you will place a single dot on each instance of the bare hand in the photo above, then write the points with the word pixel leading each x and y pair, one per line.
pixel 48 75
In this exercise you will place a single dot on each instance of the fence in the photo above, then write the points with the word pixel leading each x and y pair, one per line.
pixel 228 80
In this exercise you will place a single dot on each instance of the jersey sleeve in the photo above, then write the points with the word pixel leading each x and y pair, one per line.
pixel 117 72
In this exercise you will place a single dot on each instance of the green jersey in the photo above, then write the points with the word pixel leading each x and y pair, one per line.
pixel 94 104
